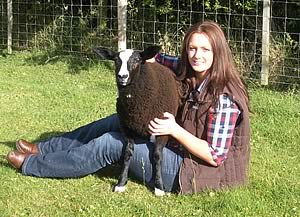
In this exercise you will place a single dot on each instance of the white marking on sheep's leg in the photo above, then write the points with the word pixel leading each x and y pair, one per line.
pixel 159 192
pixel 120 189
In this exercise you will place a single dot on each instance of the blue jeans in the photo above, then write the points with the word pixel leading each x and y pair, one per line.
pixel 94 146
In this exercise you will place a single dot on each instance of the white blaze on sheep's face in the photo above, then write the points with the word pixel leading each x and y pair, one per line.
pixel 123 73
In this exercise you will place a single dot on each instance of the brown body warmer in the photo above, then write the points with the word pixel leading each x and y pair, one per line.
pixel 195 174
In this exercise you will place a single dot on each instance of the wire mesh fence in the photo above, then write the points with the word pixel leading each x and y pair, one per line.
pixel 76 26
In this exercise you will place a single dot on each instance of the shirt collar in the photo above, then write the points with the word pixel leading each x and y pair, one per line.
pixel 202 85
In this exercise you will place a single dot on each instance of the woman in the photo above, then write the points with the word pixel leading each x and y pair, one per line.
pixel 212 128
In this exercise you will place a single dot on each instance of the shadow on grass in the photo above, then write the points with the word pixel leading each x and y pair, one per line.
pixel 113 172
pixel 43 136
pixel 75 62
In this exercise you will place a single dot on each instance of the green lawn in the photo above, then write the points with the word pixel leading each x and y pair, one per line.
pixel 40 98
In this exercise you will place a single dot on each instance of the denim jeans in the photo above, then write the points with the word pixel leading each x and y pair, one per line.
pixel 94 146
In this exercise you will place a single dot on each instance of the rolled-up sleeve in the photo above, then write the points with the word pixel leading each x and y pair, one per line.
pixel 221 122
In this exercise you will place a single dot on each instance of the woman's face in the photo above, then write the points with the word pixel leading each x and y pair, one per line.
pixel 200 54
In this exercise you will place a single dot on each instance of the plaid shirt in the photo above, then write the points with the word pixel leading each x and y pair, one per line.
pixel 169 61
pixel 221 120
pixel 220 127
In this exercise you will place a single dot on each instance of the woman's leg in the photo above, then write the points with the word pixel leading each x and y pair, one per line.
pixel 80 136
pixel 77 161
pixel 142 166
pixel 101 152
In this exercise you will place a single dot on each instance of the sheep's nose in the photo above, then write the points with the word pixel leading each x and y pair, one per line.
pixel 123 76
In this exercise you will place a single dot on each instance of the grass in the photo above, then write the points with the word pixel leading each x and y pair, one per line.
pixel 41 98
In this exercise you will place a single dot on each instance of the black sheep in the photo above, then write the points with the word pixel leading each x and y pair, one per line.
pixel 146 91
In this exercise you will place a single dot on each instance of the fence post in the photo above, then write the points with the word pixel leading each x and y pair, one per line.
pixel 122 22
pixel 265 69
pixel 9 26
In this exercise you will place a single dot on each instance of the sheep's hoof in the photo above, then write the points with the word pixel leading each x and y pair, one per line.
pixel 159 192
pixel 119 189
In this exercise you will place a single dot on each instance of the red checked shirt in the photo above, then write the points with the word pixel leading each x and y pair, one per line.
pixel 221 120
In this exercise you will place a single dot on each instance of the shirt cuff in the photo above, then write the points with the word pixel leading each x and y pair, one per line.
pixel 159 58
pixel 218 159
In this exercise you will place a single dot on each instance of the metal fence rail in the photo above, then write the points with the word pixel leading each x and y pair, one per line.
pixel 263 34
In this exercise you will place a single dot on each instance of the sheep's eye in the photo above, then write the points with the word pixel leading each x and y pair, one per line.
pixel 133 62
pixel 132 66
pixel 117 61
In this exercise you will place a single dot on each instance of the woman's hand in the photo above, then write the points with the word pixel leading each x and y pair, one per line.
pixel 168 126
pixel 152 60
pixel 165 126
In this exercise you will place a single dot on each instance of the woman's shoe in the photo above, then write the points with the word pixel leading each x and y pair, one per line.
pixel 26 147
pixel 16 159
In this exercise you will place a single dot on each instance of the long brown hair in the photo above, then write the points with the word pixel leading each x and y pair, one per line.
pixel 223 69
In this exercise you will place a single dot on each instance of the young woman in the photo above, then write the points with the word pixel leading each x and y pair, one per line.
pixel 211 134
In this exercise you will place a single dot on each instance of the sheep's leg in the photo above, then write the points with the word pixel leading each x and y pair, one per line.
pixel 159 187
pixel 128 152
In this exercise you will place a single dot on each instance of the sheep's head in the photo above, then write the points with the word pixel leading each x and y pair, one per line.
pixel 127 61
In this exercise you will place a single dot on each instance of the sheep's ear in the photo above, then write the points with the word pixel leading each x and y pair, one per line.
pixel 105 53
pixel 149 52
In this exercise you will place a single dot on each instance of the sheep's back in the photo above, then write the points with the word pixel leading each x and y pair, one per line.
pixel 153 92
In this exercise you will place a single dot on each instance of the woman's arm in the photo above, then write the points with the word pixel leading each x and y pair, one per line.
pixel 193 144
pixel 220 128
pixel 221 123
pixel 171 62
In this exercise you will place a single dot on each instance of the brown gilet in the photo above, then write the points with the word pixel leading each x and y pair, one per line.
pixel 196 175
